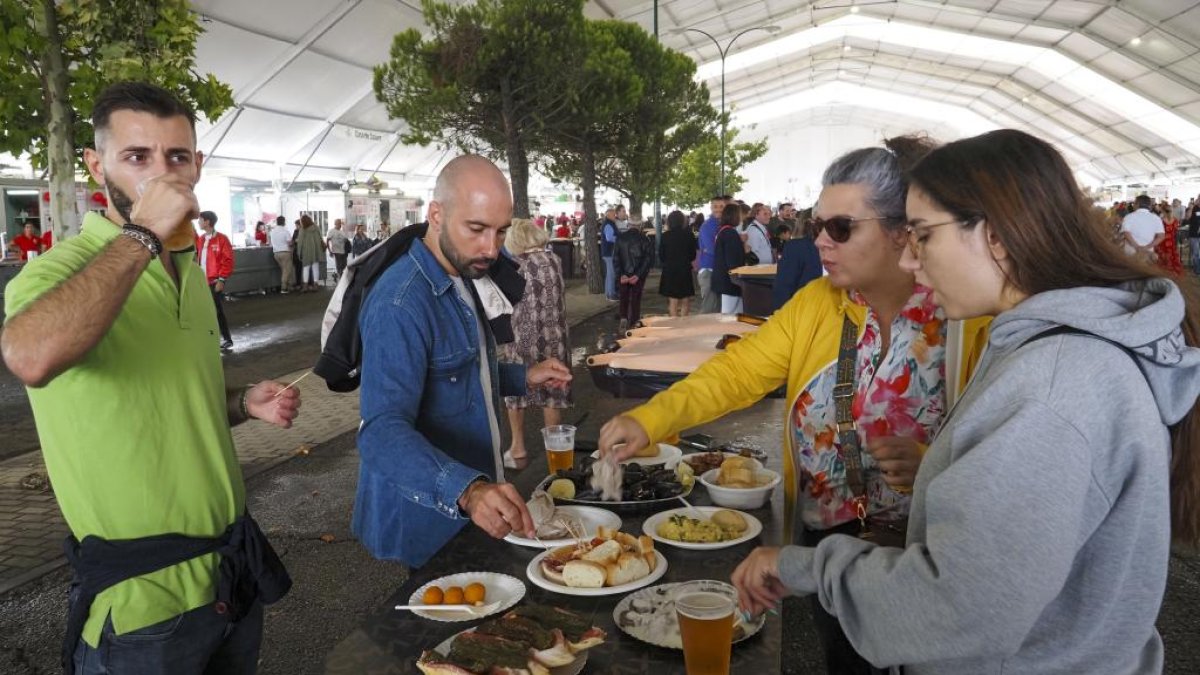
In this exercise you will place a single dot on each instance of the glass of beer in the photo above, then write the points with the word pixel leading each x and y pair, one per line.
pixel 560 446
pixel 705 609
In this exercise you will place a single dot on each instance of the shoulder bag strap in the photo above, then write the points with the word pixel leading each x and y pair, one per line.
pixel 850 451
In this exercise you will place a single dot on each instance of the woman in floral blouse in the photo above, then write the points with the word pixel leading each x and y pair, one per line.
pixel 907 354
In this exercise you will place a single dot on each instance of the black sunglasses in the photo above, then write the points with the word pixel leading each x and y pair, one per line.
pixel 840 227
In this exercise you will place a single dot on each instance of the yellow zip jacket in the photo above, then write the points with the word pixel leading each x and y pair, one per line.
pixel 793 346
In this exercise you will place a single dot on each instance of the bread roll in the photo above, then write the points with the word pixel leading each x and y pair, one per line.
pixel 628 567
pixel 730 521
pixel 604 553
pixel 584 574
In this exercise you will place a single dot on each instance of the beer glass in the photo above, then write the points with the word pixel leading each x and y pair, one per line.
pixel 705 609
pixel 182 237
pixel 560 446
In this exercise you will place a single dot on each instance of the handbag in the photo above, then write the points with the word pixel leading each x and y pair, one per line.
pixel 873 527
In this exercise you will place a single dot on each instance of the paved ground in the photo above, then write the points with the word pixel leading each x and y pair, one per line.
pixel 310 495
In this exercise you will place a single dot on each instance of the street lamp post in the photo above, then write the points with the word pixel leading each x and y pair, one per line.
pixel 724 51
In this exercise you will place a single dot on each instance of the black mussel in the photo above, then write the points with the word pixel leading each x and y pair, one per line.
pixel 651 468
pixel 635 469
pixel 639 492
pixel 665 490
pixel 574 475
pixel 587 495
pixel 662 476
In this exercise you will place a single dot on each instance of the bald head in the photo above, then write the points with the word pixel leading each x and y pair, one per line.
pixel 469 215
pixel 470 177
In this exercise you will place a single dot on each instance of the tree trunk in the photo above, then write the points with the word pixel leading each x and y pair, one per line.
pixel 635 205
pixel 514 150
pixel 60 150
pixel 591 229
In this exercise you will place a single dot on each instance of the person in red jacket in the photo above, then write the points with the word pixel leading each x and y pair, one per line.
pixel 215 255
pixel 27 242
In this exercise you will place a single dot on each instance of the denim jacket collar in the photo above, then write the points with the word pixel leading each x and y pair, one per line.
pixel 430 268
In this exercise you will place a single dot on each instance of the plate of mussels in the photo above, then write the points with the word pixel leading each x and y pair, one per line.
pixel 643 487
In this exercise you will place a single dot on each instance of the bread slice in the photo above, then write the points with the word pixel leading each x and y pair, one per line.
pixel 603 532
pixel 646 546
pixel 629 567
pixel 584 574
pixel 604 553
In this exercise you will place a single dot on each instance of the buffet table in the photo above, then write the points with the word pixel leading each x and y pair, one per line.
pixel 390 641
pixel 662 351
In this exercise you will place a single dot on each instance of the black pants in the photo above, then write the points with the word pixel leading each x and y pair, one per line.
pixel 630 296
pixel 840 657
pixel 218 300
pixel 339 261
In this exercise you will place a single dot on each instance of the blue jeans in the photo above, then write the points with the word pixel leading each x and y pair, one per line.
pixel 1194 253
pixel 610 279
pixel 199 642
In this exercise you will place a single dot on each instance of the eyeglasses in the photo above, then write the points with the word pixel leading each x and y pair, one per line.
pixel 840 227
pixel 915 245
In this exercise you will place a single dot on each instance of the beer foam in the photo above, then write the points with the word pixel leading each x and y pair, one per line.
pixel 704 605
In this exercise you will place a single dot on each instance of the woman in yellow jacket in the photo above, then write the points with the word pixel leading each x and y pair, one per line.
pixel 906 355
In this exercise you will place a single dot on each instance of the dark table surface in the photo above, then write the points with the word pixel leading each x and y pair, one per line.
pixel 390 641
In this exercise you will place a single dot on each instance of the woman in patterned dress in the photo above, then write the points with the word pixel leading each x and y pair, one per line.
pixel 540 325
pixel 908 366
pixel 1168 250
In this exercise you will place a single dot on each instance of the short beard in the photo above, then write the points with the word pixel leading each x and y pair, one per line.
pixel 463 267
pixel 120 201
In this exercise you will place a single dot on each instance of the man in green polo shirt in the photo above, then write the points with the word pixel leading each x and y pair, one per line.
pixel 115 337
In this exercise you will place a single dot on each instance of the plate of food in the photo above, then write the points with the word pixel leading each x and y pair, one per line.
pixel 715 528
pixel 702 462
pixel 467 588
pixel 563 525
pixel 649 615
pixel 610 563
pixel 661 453
pixel 642 487
pixel 531 639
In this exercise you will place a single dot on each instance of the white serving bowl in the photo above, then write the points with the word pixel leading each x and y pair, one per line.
pixel 740 498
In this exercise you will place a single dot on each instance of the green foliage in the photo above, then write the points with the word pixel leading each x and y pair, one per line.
pixel 697 176
pixel 490 78
pixel 673 115
pixel 102 41
pixel 609 85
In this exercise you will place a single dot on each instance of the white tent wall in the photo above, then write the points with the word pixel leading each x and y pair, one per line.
pixel 1116 86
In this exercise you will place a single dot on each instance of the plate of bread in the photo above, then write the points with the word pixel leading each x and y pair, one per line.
pixel 611 562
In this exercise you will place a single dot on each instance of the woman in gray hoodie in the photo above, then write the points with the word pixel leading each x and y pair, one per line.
pixel 1043 512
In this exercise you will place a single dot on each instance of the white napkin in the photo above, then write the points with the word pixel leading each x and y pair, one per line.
pixel 494 302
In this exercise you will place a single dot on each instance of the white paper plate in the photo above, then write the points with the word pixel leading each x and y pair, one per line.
pixel 667 454
pixel 573 668
pixel 534 572
pixel 753 529
pixel 591 517
pixel 756 464
pixel 502 588
pixel 658 601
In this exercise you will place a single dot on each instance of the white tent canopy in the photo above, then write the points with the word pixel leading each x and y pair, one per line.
pixel 1115 85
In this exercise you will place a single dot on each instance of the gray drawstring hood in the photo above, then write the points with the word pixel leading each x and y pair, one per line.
pixel 1145 320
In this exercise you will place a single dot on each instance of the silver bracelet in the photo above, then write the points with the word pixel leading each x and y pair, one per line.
pixel 151 242
pixel 242 404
